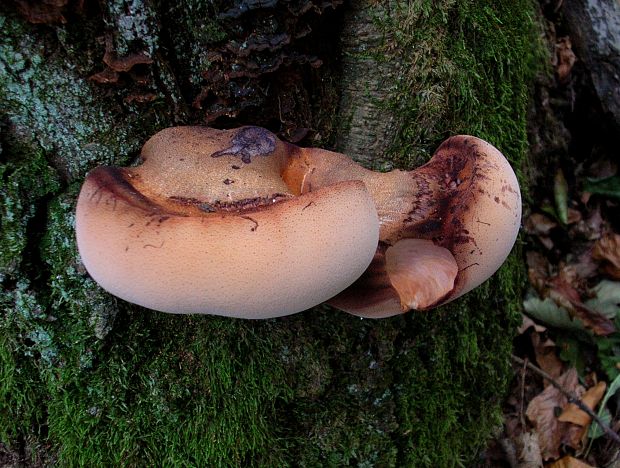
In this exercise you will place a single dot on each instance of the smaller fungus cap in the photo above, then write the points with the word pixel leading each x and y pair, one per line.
pixel 491 213
pixel 420 272
pixel 445 227
pixel 206 225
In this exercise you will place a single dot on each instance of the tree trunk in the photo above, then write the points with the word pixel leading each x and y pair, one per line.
pixel 89 379
pixel 594 27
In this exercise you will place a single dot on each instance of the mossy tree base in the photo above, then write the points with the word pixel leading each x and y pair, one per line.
pixel 90 380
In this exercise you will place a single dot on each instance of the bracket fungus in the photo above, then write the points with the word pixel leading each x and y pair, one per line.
pixel 239 223
pixel 446 226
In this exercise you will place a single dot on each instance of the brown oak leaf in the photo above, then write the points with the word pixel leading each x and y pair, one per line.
pixel 607 250
pixel 541 411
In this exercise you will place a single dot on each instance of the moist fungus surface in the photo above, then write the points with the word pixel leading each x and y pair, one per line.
pixel 172 236
pixel 249 142
pixel 429 235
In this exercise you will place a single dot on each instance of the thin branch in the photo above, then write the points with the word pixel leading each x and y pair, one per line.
pixel 521 406
pixel 572 398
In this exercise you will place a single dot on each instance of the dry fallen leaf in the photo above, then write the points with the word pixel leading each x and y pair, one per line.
pixel 591 398
pixel 527 323
pixel 584 266
pixel 546 356
pixel 566 58
pixel 574 216
pixel 569 462
pixel 529 453
pixel 568 274
pixel 537 269
pixel 542 413
pixel 591 227
pixel 574 437
pixel 540 226
pixel 567 296
pixel 607 250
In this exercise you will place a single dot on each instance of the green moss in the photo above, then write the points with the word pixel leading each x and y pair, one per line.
pixel 465 68
pixel 23 182
pixel 102 382
pixel 208 403
pixel 22 393
pixel 26 339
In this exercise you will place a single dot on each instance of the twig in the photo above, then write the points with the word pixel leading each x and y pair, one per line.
pixel 521 406
pixel 572 398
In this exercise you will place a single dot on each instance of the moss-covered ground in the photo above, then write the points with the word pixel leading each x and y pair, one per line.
pixel 89 380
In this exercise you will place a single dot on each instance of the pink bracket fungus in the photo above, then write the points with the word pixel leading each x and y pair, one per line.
pixel 239 223
pixel 465 203
pixel 207 225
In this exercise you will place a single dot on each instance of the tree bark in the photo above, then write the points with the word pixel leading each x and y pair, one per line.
pixel 366 128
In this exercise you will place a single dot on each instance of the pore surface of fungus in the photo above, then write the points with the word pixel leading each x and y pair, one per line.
pixel 239 223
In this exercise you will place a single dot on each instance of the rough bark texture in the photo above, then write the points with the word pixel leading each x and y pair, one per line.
pixel 367 127
pixel 595 34
pixel 86 379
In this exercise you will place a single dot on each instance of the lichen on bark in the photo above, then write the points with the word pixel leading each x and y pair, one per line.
pixel 98 381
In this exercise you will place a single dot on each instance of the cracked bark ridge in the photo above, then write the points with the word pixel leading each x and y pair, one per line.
pixel 267 59
pixel 368 128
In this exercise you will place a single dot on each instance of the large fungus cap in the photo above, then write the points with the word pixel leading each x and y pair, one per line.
pixel 207 225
